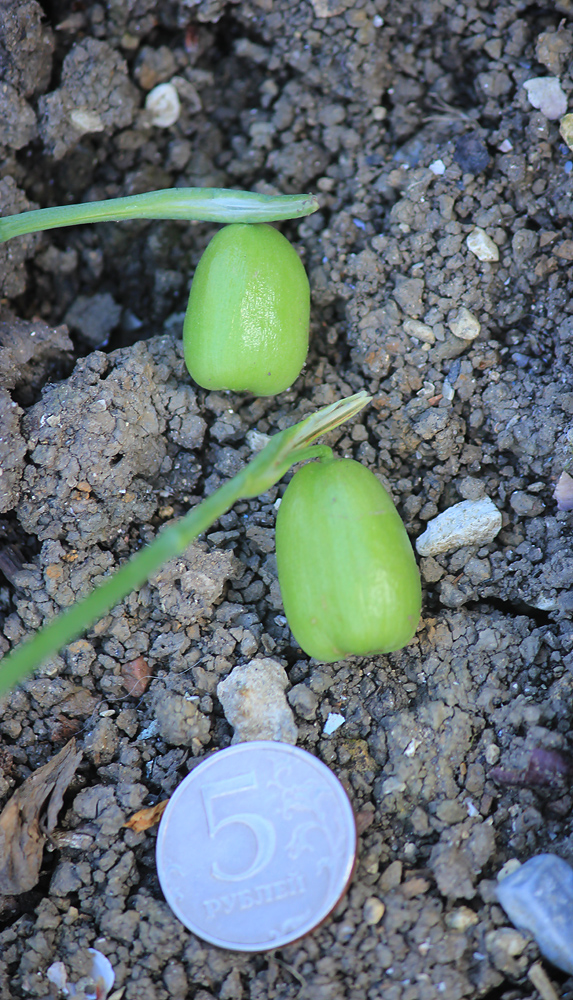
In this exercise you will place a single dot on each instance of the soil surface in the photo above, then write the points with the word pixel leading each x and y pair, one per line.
pixel 411 122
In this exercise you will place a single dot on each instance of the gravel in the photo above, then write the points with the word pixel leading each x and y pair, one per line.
pixel 445 198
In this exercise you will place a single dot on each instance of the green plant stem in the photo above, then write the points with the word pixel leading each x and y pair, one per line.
pixel 204 204
pixel 284 449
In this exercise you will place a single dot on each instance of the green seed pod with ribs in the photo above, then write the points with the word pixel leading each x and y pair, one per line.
pixel 246 325
pixel 347 573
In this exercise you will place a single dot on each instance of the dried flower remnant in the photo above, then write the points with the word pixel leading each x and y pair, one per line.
pixel 563 492
pixel 29 816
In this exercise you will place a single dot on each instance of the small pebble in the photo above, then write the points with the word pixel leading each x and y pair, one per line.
pixel 87 121
pixel 328 8
pixel 538 898
pixel 545 93
pixel 505 942
pixel 482 245
pixel 257 441
pixel 471 522
pixel 510 866
pixel 465 325
pixel 538 976
pixel 525 505
pixel 392 785
pixel 253 700
pixel 333 722
pixel 164 105
pixel 566 130
pixel 461 919
pixel 438 167
pixel 421 331
pixel 390 877
pixel 471 153
pixel 373 911
pixel 563 492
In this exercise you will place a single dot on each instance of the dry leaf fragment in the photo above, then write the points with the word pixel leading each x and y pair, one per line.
pixel 145 818
pixel 29 816
pixel 136 676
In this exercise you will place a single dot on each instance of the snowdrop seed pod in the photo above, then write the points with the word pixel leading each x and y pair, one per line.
pixel 347 573
pixel 246 326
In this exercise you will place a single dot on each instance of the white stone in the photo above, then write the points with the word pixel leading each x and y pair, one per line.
pixel 87 121
pixel 163 105
pixel 438 167
pixel 421 331
pixel 482 245
pixel 508 868
pixel 506 146
pixel 412 747
pixel 461 918
pixel 256 440
pixel 546 93
pixel 471 522
pixel 56 973
pixel 253 700
pixel 465 325
pixel 334 722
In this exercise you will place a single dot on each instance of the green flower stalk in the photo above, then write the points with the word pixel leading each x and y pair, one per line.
pixel 200 204
pixel 295 444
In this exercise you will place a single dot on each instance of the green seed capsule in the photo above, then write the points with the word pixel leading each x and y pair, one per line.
pixel 246 326
pixel 347 573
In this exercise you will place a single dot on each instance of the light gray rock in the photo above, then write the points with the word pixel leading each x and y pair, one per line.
pixel 465 325
pixel 95 95
pixel 471 522
pixel 482 245
pixel 538 898
pixel 180 722
pixel 547 94
pixel 254 702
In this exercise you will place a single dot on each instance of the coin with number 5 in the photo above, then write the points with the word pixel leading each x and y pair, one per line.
pixel 256 846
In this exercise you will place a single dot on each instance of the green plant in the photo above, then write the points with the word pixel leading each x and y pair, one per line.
pixel 246 326
pixel 347 573
pixel 187 204
pixel 282 451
